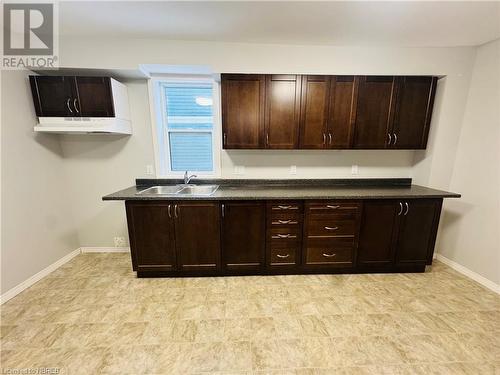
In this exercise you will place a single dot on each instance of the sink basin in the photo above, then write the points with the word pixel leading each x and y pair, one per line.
pixel 198 190
pixel 202 190
pixel 161 190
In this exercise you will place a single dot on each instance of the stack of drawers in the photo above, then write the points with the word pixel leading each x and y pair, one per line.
pixel 284 233
pixel 331 233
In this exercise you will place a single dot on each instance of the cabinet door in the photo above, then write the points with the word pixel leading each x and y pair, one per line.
pixel 197 235
pixel 282 111
pixel 243 110
pixel 95 98
pixel 243 231
pixel 343 95
pixel 373 112
pixel 151 236
pixel 314 111
pixel 378 232
pixel 417 232
pixel 53 96
pixel 415 99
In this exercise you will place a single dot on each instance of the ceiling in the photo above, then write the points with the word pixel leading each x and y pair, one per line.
pixel 405 23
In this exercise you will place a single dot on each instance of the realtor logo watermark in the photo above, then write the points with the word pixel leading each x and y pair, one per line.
pixel 30 35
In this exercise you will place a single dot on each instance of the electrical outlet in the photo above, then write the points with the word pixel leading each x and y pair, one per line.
pixel 293 169
pixel 120 241
pixel 239 169
pixel 150 170
pixel 354 169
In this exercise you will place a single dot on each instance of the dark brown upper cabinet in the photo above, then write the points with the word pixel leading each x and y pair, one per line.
pixel 95 98
pixel 53 96
pixel 374 112
pixel 326 112
pixel 314 112
pixel 414 101
pixel 243 110
pixel 342 111
pixel 282 111
pixel 67 96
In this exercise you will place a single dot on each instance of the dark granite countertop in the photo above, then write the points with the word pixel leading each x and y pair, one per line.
pixel 291 189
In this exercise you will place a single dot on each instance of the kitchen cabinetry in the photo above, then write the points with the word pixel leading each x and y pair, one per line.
pixel 243 236
pixel 326 112
pixel 178 236
pixel 282 111
pixel 69 96
pixel 374 112
pixel 243 110
pixel 414 101
pixel 286 236
pixel 398 232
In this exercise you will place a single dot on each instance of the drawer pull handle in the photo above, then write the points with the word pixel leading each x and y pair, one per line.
pixel 332 207
pixel 287 207
pixel 285 222
pixel 284 236
pixel 329 255
pixel 331 228
pixel 283 256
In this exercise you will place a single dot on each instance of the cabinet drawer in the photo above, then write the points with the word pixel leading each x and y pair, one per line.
pixel 346 209
pixel 278 218
pixel 286 206
pixel 285 232
pixel 283 255
pixel 331 227
pixel 329 255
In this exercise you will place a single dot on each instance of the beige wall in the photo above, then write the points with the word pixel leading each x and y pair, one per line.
pixel 472 235
pixel 37 227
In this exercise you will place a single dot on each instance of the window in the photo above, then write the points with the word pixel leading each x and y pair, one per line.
pixel 186 119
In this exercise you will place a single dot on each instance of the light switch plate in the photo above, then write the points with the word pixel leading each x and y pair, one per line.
pixel 354 169
pixel 150 170
pixel 293 169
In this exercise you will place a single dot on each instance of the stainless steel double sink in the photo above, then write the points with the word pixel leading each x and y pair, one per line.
pixel 185 190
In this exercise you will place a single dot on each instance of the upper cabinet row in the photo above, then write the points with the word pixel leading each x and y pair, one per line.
pixel 326 112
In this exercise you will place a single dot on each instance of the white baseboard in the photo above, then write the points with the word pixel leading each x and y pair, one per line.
pixel 471 274
pixel 90 249
pixel 37 277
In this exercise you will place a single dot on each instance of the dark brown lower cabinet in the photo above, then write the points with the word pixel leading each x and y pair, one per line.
pixel 197 235
pixel 151 235
pixel 268 237
pixel 243 236
pixel 398 233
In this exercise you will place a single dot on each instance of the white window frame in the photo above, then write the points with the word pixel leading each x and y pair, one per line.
pixel 159 125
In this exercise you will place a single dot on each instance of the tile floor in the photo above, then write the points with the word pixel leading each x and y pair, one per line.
pixel 93 316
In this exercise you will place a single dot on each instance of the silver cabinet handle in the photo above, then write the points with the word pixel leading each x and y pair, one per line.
pixel 285 222
pixel 284 207
pixel 331 228
pixel 224 139
pixel 329 255
pixel 284 236
pixel 332 207
pixel 169 212
pixel 324 138
pixel 400 209
pixel 407 208
pixel 75 102
pixel 267 139
pixel 390 139
pixel 67 105
pixel 283 256
pixel 223 210
pixel 395 139
pixel 329 138
pixel 175 212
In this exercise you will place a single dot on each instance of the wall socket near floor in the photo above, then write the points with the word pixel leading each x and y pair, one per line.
pixel 120 241
pixel 150 170
pixel 354 169
pixel 239 169
pixel 293 169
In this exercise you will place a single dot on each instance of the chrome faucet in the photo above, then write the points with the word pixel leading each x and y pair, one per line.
pixel 188 178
